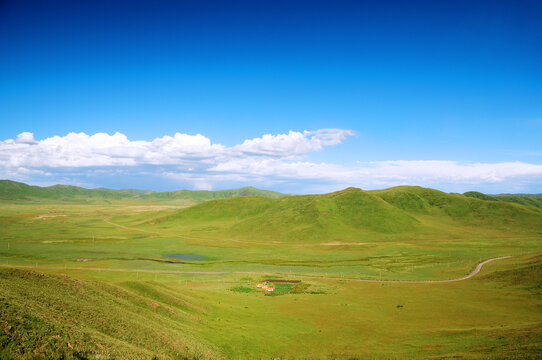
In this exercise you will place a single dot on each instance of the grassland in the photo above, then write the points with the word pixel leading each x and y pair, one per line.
pixel 98 280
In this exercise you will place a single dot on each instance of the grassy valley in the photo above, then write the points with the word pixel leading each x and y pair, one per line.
pixel 130 277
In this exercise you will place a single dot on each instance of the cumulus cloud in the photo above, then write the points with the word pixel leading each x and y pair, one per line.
pixel 293 144
pixel 268 160
pixel 101 149
pixel 26 138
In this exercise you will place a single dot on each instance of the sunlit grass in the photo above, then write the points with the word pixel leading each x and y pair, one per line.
pixel 111 291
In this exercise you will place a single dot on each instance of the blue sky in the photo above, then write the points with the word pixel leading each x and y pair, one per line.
pixel 440 94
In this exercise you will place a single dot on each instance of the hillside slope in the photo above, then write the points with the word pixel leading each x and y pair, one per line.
pixel 463 209
pixel 57 317
pixel 456 213
pixel 353 214
pixel 314 217
pixel 523 199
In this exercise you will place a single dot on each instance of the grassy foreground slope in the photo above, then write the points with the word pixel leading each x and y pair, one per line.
pixel 355 215
pixel 57 316
pixel 12 190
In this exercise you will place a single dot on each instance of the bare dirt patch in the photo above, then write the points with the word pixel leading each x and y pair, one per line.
pixel 49 216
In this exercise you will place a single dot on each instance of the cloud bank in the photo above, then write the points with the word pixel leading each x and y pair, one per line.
pixel 275 161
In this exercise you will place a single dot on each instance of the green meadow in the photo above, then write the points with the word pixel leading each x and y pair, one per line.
pixel 106 274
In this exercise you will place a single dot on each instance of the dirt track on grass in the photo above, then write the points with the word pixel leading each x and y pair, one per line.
pixel 476 271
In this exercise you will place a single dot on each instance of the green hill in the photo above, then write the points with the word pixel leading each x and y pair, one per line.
pixel 352 214
pixel 12 190
pixel 314 217
pixel 523 199
pixel 249 213
pixel 523 195
pixel 204 195
pixel 463 210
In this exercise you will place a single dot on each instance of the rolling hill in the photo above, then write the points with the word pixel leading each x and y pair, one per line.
pixel 12 190
pixel 523 199
pixel 353 214
pixel 249 213
pixel 310 216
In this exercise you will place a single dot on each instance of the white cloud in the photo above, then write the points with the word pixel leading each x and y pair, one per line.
pixel 82 150
pixel 293 144
pixel 393 172
pixel 452 171
pixel 26 138
pixel 266 161
pixel 101 149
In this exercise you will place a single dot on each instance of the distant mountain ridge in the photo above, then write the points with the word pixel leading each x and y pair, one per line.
pixel 13 190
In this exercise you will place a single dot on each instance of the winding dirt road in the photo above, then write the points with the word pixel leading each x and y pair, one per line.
pixel 476 271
